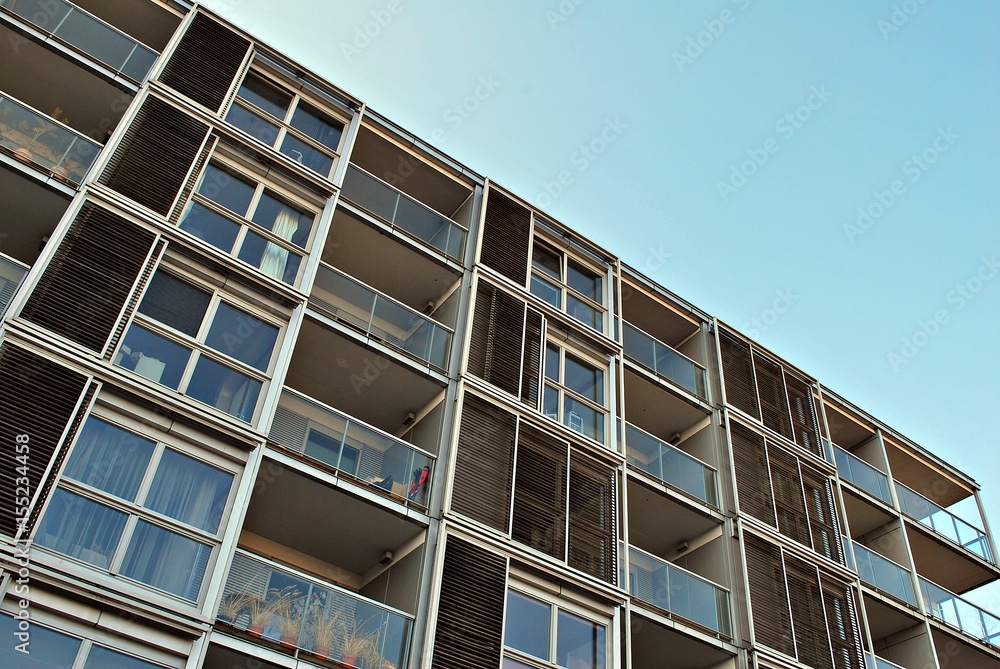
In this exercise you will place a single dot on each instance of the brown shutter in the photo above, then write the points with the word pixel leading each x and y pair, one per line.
pixel 768 596
pixel 469 626
pixel 155 155
pixel 38 397
pixel 497 338
pixel 506 234
pixel 592 522
pixel 484 463
pixel 539 518
pixel 822 514
pixel 842 623
pixel 808 616
pixel 753 481
pixel 531 358
pixel 205 63
pixel 82 291
pixel 737 372
pixel 773 398
pixel 787 486
pixel 804 424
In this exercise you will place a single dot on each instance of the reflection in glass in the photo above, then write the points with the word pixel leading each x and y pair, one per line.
pixel 49 649
pixel 224 388
pixel 109 458
pixel 80 528
pixel 152 356
pixel 579 642
pixel 527 627
pixel 242 336
pixel 189 490
pixel 166 561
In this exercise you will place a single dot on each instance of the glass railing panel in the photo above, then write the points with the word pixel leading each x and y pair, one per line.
pixel 670 588
pixel 403 212
pixel 11 274
pixel 959 613
pixel 876 662
pixel 284 607
pixel 848 553
pixel 670 465
pixel 855 470
pixel 663 360
pixel 884 574
pixel 943 522
pixel 33 137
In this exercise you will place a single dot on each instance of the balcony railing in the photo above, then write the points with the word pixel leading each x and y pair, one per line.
pixel 11 274
pixel 34 138
pixel 678 591
pixel 884 574
pixel 664 361
pixel 279 606
pixel 88 34
pixel 876 662
pixel 377 315
pixel 403 212
pixel 855 470
pixel 943 523
pixel 671 465
pixel 963 615
pixel 371 457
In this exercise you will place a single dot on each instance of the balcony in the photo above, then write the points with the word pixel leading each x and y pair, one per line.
pixel 671 465
pixel 876 662
pixel 664 361
pixel 38 139
pixel 306 616
pixel 368 456
pixel 884 574
pixel 943 523
pixel 404 213
pixel 88 34
pixel 11 274
pixel 960 614
pixel 379 316
pixel 858 472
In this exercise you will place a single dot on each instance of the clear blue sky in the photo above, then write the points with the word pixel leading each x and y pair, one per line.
pixel 744 139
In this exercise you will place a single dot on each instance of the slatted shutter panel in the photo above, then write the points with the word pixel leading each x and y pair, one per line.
pixel 773 398
pixel 469 625
pixel 497 338
pixel 753 480
pixel 822 514
pixel 506 234
pixel 531 358
pixel 82 291
pixel 788 501
pixel 804 424
pixel 592 522
pixel 808 616
pixel 842 623
pixel 205 63
pixel 539 518
pixel 38 397
pixel 154 157
pixel 484 463
pixel 772 625
pixel 737 371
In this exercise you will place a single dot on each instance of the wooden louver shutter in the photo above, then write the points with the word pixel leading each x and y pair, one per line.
pixel 86 284
pixel 155 155
pixel 842 623
pixel 772 624
pixel 773 397
pixel 788 501
pixel 752 474
pixel 497 338
pixel 822 514
pixel 484 463
pixel 506 234
pixel 469 625
pixel 592 521
pixel 737 371
pixel 531 358
pixel 38 398
pixel 206 62
pixel 808 614
pixel 804 424
pixel 539 518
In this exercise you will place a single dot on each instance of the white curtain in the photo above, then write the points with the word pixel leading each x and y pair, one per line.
pixel 275 257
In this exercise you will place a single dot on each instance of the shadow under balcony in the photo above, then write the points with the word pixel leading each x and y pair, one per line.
pixel 655 644
pixel 899 637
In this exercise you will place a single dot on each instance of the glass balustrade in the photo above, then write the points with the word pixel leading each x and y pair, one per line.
pixel 959 613
pixel 876 662
pixel 683 594
pixel 671 465
pixel 943 523
pixel 855 470
pixel 280 606
pixel 34 138
pixel 403 212
pixel 11 274
pixel 346 299
pixel 664 361
pixel 884 574
pixel 374 458
pixel 88 34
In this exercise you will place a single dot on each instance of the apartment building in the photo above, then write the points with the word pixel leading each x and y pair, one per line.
pixel 282 385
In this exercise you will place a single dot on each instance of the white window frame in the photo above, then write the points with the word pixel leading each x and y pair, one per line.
pixel 563 391
pixel 562 283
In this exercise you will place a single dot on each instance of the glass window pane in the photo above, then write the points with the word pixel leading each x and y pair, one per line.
pixel 584 379
pixel 210 226
pixel 80 528
pixel 47 648
pixel 584 281
pixel 189 491
pixel 226 190
pixel 242 336
pixel 257 92
pixel 224 388
pixel 579 642
pixel 166 561
pixel 284 220
pixel 514 664
pixel 318 126
pixel 552 363
pixel 584 313
pixel 547 291
pixel 547 261
pixel 153 356
pixel 105 658
pixel 527 626
pixel 582 418
pixel 272 259
pixel 550 402
pixel 109 458
pixel 252 124
pixel 307 155
pixel 175 303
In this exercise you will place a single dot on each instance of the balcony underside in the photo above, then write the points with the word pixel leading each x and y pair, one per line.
pixel 29 212
pixel 658 524
pixel 656 409
pixel 862 514
pixel 656 645
pixel 961 652
pixel 944 563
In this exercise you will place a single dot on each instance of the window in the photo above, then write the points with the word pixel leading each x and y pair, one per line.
pixel 288 122
pixel 574 393
pixel 189 339
pixel 249 221
pixel 137 508
pixel 552 634
pixel 568 285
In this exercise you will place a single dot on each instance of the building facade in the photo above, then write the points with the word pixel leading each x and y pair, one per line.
pixel 281 385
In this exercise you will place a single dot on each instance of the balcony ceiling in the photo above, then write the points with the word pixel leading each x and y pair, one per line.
pixel 885 620
pixel 844 431
pixel 145 21
pixel 862 515
pixel 652 643
pixel 658 524
pixel 30 212
pixel 946 564
pixel 655 319
pixel 656 409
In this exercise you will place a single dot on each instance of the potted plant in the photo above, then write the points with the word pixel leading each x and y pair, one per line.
pixel 233 605
pixel 288 619
pixel 358 646
pixel 324 627
pixel 263 609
